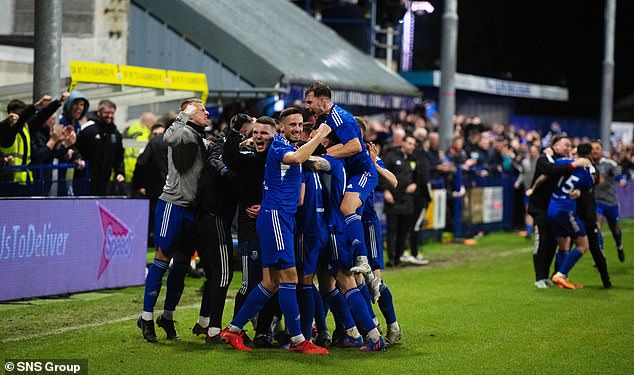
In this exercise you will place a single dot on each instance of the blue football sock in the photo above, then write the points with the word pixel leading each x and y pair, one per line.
pixel 560 258
pixel 600 240
pixel 175 285
pixel 386 304
pixel 363 288
pixel 287 295
pixel 354 231
pixel 618 238
pixel 529 229
pixel 359 309
pixel 339 306
pixel 572 258
pixel 306 302
pixel 252 305
pixel 320 316
pixel 153 283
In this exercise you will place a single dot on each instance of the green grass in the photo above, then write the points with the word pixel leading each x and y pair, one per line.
pixel 472 310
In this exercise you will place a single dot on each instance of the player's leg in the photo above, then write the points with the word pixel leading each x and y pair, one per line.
pixel 597 255
pixel 612 216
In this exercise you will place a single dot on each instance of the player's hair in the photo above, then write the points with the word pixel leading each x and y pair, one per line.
pixel 308 127
pixel 318 89
pixel 290 111
pixel 266 120
pixel 187 102
pixel 584 150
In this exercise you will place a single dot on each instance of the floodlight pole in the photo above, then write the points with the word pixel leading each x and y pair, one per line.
pixel 447 94
pixel 607 90
pixel 48 43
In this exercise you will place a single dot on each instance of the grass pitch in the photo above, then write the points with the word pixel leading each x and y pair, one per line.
pixel 472 310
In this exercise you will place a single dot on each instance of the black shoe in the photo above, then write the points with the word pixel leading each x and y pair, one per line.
pixel 262 342
pixel 323 339
pixel 246 340
pixel 199 330
pixel 168 326
pixel 621 255
pixel 282 338
pixel 607 284
pixel 213 340
pixel 337 338
pixel 147 327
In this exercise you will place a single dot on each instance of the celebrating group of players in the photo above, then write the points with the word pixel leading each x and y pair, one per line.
pixel 572 192
pixel 304 195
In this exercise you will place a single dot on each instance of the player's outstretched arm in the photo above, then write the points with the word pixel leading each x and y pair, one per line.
pixel 303 153
pixel 344 150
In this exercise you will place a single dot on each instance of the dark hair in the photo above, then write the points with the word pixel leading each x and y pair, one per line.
pixel 290 111
pixel 318 89
pixel 308 127
pixel 557 137
pixel 584 149
pixel 16 106
pixel 597 141
pixel 266 120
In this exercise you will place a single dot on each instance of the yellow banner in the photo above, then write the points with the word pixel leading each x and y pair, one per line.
pixel 144 77
pixel 90 72
pixel 94 72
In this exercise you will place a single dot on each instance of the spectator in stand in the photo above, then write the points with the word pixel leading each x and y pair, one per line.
pixel 457 154
pixel 16 132
pixel 140 131
pixel 75 108
pixel 51 143
pixel 99 143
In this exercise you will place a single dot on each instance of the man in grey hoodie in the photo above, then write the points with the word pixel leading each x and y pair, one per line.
pixel 175 215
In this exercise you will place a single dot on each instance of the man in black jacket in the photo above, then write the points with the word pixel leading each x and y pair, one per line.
pixel 99 143
pixel 248 162
pixel 399 201
pixel 545 242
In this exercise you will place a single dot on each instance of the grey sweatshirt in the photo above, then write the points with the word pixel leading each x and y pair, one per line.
pixel 184 162
pixel 605 192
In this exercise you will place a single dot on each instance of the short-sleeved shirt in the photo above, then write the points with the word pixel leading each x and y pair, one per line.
pixel 282 182
pixel 346 127
pixel 579 178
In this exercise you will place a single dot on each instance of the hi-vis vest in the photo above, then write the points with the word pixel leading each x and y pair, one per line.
pixel 21 152
pixel 132 150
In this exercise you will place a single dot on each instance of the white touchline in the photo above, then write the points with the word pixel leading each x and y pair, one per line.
pixel 59 331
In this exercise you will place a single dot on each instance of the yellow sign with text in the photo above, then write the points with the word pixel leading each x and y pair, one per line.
pixel 90 72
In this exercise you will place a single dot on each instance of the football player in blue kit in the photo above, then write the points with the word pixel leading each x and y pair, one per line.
pixel 275 227
pixel 361 172
pixel 563 219
pixel 342 255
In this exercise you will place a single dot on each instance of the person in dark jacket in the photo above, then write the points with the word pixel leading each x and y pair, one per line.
pixel 50 145
pixel 587 212
pixel 399 201
pixel 545 242
pixel 100 144
pixel 248 162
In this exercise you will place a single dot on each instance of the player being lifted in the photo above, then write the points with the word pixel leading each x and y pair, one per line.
pixel 362 174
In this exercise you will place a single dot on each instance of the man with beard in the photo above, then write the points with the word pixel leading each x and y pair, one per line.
pixel 99 143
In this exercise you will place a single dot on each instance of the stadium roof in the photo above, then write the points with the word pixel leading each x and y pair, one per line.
pixel 272 42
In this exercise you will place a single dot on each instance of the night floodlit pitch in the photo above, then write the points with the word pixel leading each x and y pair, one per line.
pixel 472 310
